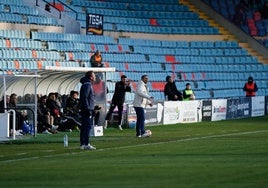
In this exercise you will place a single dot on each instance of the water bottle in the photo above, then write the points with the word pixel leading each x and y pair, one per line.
pixel 65 140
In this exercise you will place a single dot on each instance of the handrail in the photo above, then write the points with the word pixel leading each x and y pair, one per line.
pixel 22 108
pixel 14 122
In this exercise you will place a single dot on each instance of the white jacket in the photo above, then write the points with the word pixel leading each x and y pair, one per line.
pixel 141 95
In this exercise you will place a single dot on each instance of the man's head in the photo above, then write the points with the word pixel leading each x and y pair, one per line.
pixel 124 79
pixel 74 94
pixel 188 86
pixel 13 98
pixel 43 99
pixel 169 79
pixel 250 79
pixel 91 76
pixel 144 78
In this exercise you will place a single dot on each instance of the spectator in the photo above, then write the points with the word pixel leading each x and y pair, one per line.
pixel 171 92
pixel 239 17
pixel 188 93
pixel 141 100
pixel 87 109
pixel 47 7
pixel 72 110
pixel 54 107
pixel 264 11
pixel 118 99
pixel 21 115
pixel 72 105
pixel 2 104
pixel 96 59
pixel 44 118
pixel 250 87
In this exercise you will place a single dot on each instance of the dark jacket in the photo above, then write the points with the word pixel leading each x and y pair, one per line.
pixel 171 90
pixel 94 62
pixel 72 106
pixel 120 92
pixel 86 97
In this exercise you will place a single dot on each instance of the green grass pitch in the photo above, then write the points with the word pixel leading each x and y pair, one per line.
pixel 207 154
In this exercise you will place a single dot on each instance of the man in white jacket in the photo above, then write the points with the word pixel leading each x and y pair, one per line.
pixel 141 100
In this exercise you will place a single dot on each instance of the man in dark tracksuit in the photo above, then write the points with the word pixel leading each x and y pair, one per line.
pixel 118 99
pixel 87 109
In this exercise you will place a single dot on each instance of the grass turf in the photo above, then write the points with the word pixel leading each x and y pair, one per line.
pixel 208 154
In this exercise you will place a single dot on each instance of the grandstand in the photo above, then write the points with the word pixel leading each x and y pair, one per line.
pixel 177 38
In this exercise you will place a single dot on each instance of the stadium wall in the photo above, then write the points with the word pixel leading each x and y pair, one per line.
pixel 174 112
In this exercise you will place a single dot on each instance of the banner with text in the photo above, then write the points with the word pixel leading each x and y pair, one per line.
pixel 219 108
pixel 206 110
pixel 153 114
pixel 238 108
pixel 94 24
pixel 257 106
pixel 182 112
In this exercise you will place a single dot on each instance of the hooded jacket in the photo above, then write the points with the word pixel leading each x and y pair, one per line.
pixel 86 97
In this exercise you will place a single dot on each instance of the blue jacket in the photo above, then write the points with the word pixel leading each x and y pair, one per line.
pixel 86 97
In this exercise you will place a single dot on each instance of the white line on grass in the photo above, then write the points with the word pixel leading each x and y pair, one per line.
pixel 138 145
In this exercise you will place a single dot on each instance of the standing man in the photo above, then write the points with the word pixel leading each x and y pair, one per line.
pixel 188 93
pixel 87 109
pixel 171 92
pixel 250 87
pixel 141 99
pixel 118 99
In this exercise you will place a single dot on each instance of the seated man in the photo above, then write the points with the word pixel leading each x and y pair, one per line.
pixel 44 118
pixel 96 59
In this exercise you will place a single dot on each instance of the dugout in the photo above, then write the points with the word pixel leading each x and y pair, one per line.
pixel 28 84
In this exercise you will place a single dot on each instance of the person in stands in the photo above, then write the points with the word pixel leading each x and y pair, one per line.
pixel 96 59
pixel 250 87
pixel 188 93
pixel 171 92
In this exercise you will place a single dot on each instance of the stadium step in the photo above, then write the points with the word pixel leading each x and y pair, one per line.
pixel 253 52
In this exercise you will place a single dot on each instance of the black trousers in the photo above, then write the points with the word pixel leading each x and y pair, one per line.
pixel 120 112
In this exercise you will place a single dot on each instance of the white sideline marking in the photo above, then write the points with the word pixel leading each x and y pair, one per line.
pixel 139 145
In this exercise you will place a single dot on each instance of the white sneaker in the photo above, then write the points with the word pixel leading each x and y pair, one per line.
pixel 46 132
pixel 89 147
pixel 120 127
pixel 63 120
pixel 144 135
pixel 18 133
pixel 54 127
